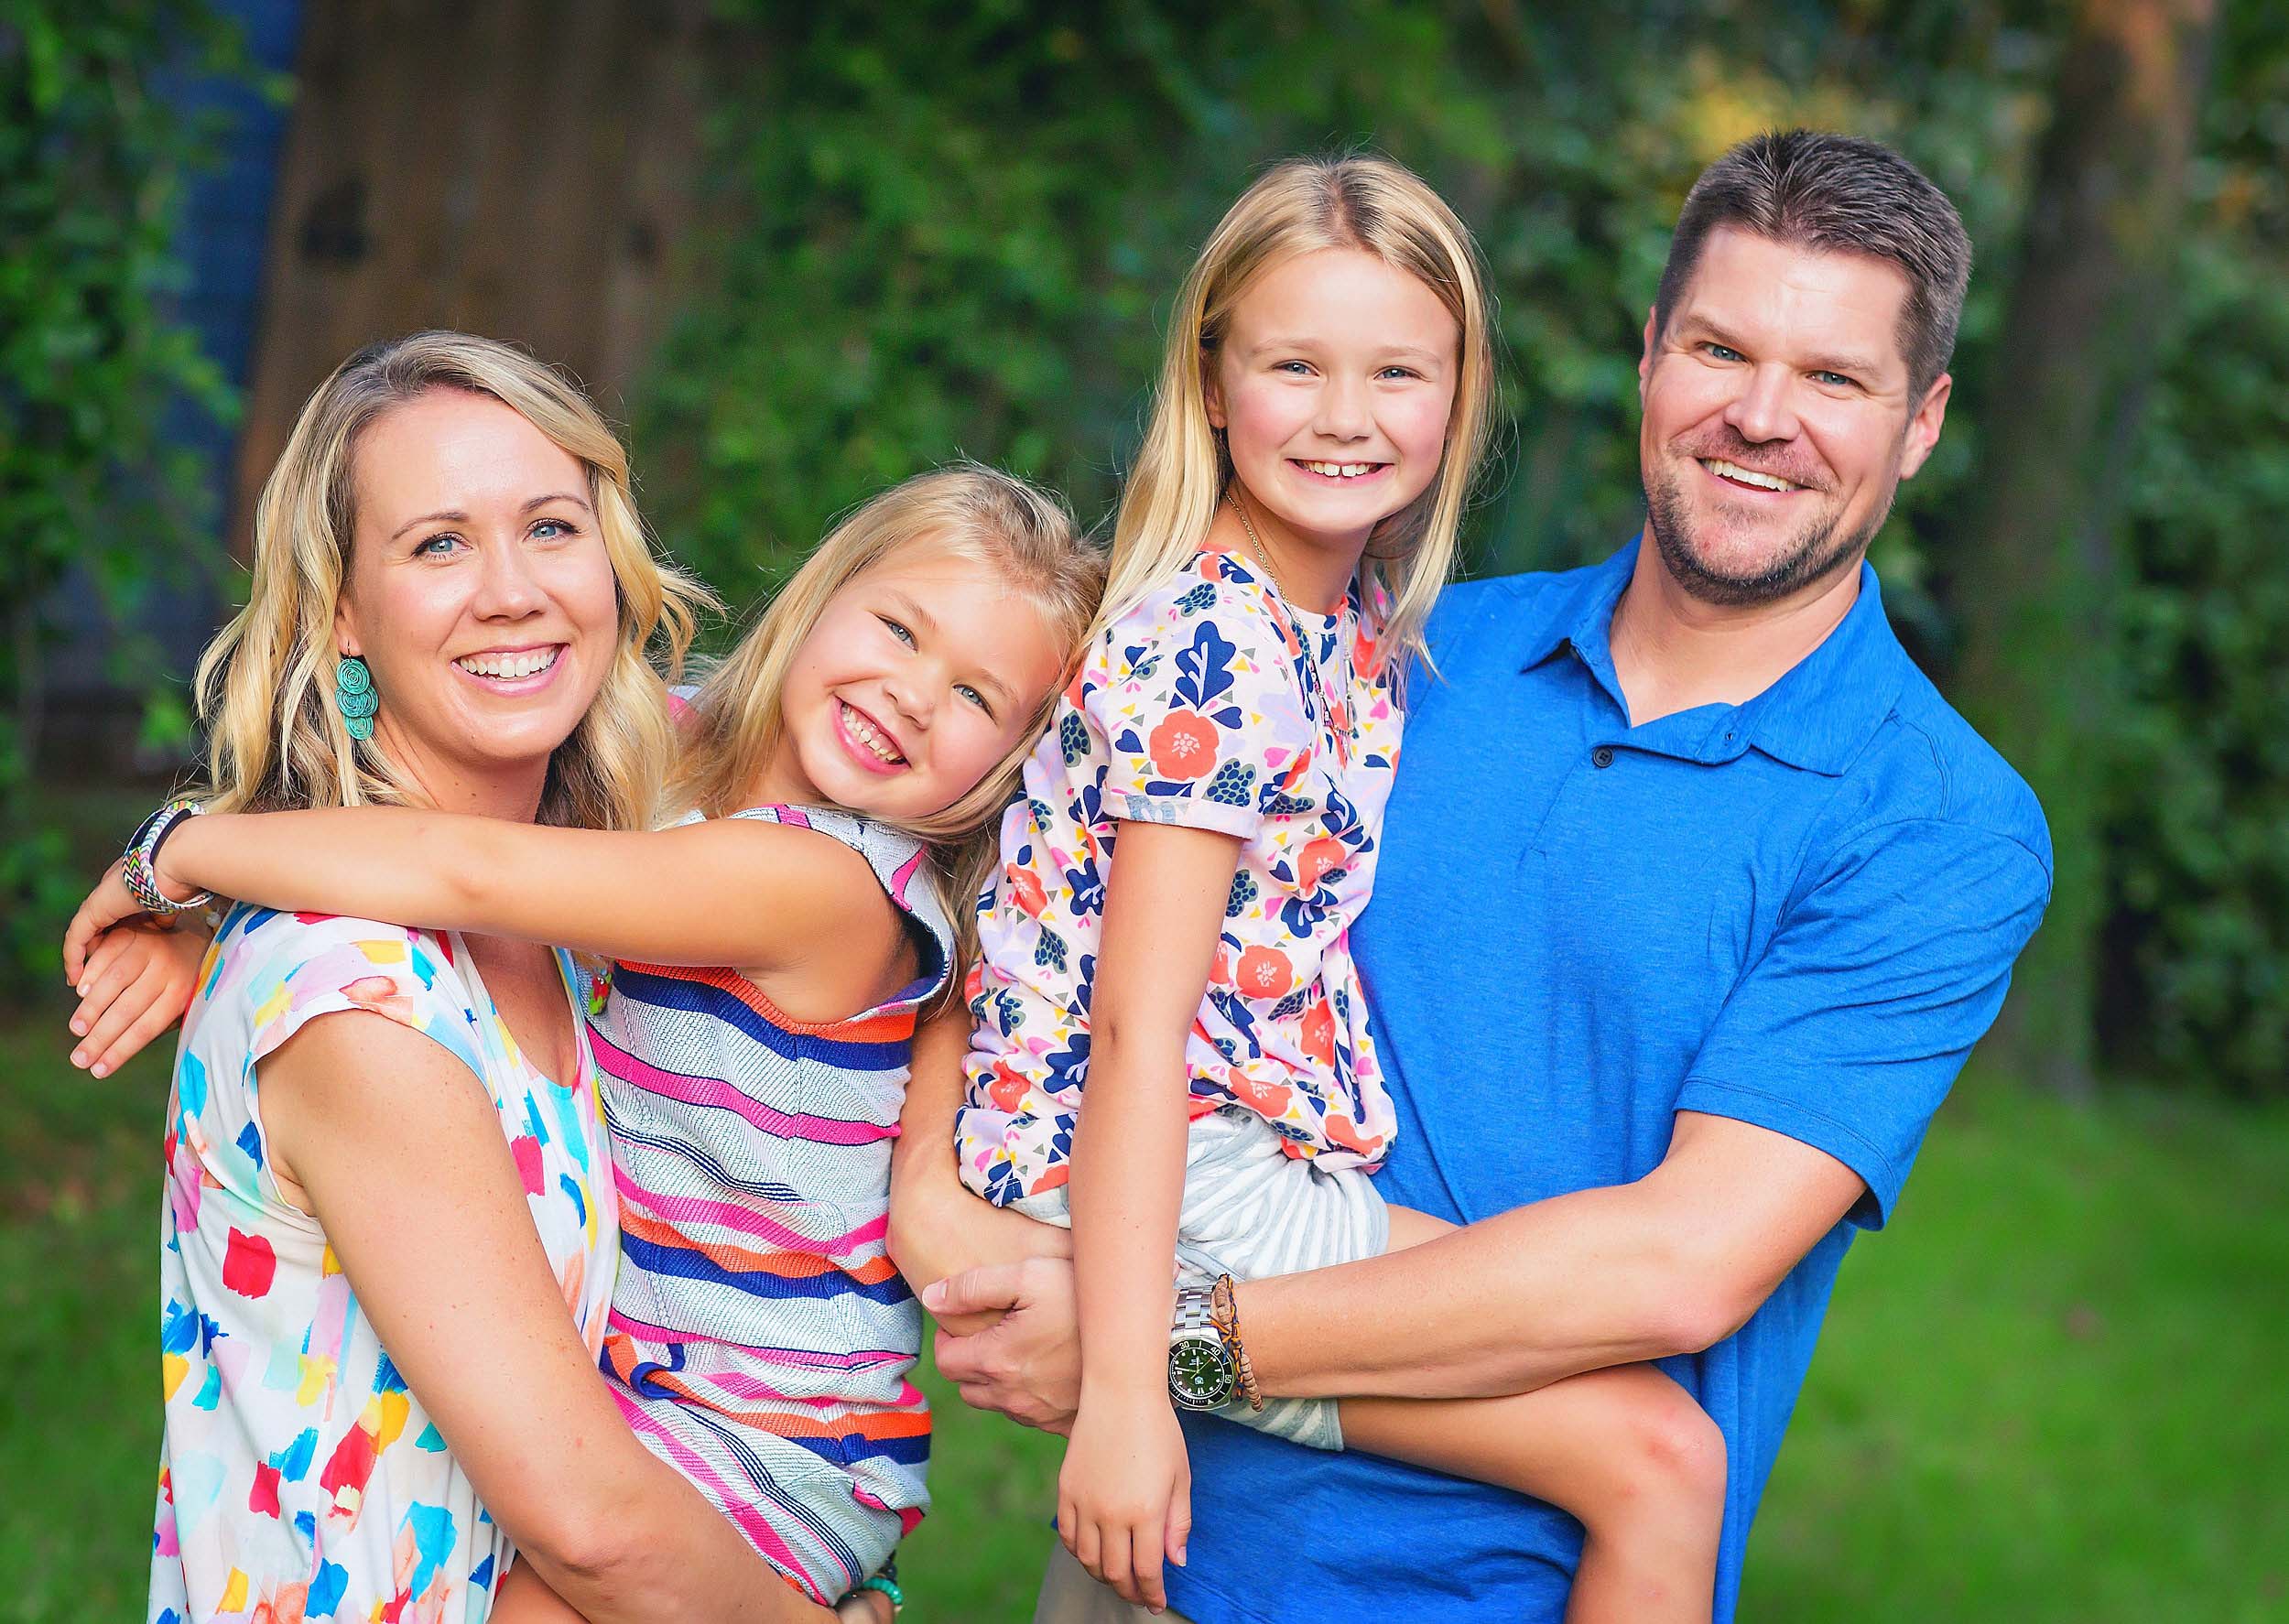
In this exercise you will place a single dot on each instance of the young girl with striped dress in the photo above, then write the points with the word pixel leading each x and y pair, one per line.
pixel 771 949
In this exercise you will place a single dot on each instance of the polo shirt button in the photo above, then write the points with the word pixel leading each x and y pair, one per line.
pixel 1602 756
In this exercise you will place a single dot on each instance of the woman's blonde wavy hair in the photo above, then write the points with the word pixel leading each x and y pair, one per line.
pixel 1016 529
pixel 265 688
pixel 1300 206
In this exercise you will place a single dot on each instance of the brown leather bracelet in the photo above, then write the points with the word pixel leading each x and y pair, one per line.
pixel 1224 1312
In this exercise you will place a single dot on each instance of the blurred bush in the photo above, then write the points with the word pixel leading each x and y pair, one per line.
pixel 2198 948
pixel 93 362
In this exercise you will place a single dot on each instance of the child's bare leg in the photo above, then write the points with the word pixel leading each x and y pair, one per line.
pixel 525 1598
pixel 1627 1451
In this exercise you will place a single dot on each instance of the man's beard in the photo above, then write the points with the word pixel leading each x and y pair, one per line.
pixel 1813 554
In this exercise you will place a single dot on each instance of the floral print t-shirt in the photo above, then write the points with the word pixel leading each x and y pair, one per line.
pixel 1212 704
pixel 299 1478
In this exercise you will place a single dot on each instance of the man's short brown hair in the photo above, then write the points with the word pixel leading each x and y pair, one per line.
pixel 1836 194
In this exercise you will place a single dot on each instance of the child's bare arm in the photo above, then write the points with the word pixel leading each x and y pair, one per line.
pixel 937 1226
pixel 619 893
pixel 1124 1500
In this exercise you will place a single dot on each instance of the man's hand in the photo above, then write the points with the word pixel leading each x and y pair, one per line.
pixel 937 1229
pixel 1027 1364
pixel 1124 1496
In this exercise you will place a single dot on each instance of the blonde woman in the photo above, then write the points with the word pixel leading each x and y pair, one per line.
pixel 1173 1052
pixel 389 1232
pixel 840 776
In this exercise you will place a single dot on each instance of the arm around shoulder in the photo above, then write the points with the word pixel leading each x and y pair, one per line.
pixel 615 892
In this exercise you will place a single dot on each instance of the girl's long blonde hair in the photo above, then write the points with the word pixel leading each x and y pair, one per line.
pixel 265 688
pixel 1300 206
pixel 994 519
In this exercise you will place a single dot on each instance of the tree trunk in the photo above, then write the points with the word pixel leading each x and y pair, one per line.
pixel 2035 580
pixel 519 168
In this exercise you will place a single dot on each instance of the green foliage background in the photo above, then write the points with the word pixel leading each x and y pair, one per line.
pixel 954 226
pixel 91 362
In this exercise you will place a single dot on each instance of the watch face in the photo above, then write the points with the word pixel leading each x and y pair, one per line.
pixel 1200 1373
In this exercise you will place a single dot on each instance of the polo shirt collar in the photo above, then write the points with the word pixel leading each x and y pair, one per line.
pixel 1819 716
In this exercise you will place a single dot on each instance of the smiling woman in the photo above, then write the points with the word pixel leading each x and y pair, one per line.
pixel 460 492
pixel 390 1237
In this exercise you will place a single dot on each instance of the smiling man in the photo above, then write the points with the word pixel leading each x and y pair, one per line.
pixel 1694 895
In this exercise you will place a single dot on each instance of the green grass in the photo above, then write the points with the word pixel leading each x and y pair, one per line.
pixel 2056 1390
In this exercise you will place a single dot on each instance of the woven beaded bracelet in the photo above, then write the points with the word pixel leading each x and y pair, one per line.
pixel 138 875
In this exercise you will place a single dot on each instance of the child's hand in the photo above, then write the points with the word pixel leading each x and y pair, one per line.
pixel 134 985
pixel 105 906
pixel 864 1606
pixel 1124 1496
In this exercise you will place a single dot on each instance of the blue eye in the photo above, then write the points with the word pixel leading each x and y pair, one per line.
pixel 434 547
pixel 897 630
pixel 557 528
pixel 1834 379
pixel 1398 371
pixel 975 698
pixel 1294 369
pixel 1723 352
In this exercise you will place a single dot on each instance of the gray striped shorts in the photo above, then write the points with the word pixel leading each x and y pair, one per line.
pixel 1252 1210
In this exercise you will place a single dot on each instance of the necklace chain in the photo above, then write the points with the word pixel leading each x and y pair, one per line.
pixel 1256 541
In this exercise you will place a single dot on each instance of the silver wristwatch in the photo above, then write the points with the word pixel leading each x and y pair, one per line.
pixel 1201 1373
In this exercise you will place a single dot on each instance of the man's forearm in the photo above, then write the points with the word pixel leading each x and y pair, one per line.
pixel 1506 1305
pixel 1669 1264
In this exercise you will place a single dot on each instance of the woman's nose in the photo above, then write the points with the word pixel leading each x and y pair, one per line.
pixel 506 586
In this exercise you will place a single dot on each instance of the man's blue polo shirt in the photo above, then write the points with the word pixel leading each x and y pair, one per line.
pixel 1800 911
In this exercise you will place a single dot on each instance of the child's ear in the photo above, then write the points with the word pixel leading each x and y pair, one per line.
pixel 1212 390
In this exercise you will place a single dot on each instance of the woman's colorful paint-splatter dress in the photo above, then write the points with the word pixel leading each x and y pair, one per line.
pixel 299 1478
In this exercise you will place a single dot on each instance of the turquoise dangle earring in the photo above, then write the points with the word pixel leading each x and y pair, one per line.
pixel 354 696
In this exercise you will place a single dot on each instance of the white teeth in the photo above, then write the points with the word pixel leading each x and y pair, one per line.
pixel 855 723
pixel 531 662
pixel 1342 471
pixel 1747 476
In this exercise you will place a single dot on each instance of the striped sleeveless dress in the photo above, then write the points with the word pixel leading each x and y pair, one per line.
pixel 760 1341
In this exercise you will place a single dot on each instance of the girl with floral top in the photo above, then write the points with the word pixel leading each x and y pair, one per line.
pixel 1171 1050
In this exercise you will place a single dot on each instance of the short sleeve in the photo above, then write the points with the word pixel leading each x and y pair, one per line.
pixel 1849 1030
pixel 336 965
pixel 1196 699
pixel 271 975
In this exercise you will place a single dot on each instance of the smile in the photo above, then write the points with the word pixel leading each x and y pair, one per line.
pixel 867 741
pixel 1732 473
pixel 1339 471
pixel 519 667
